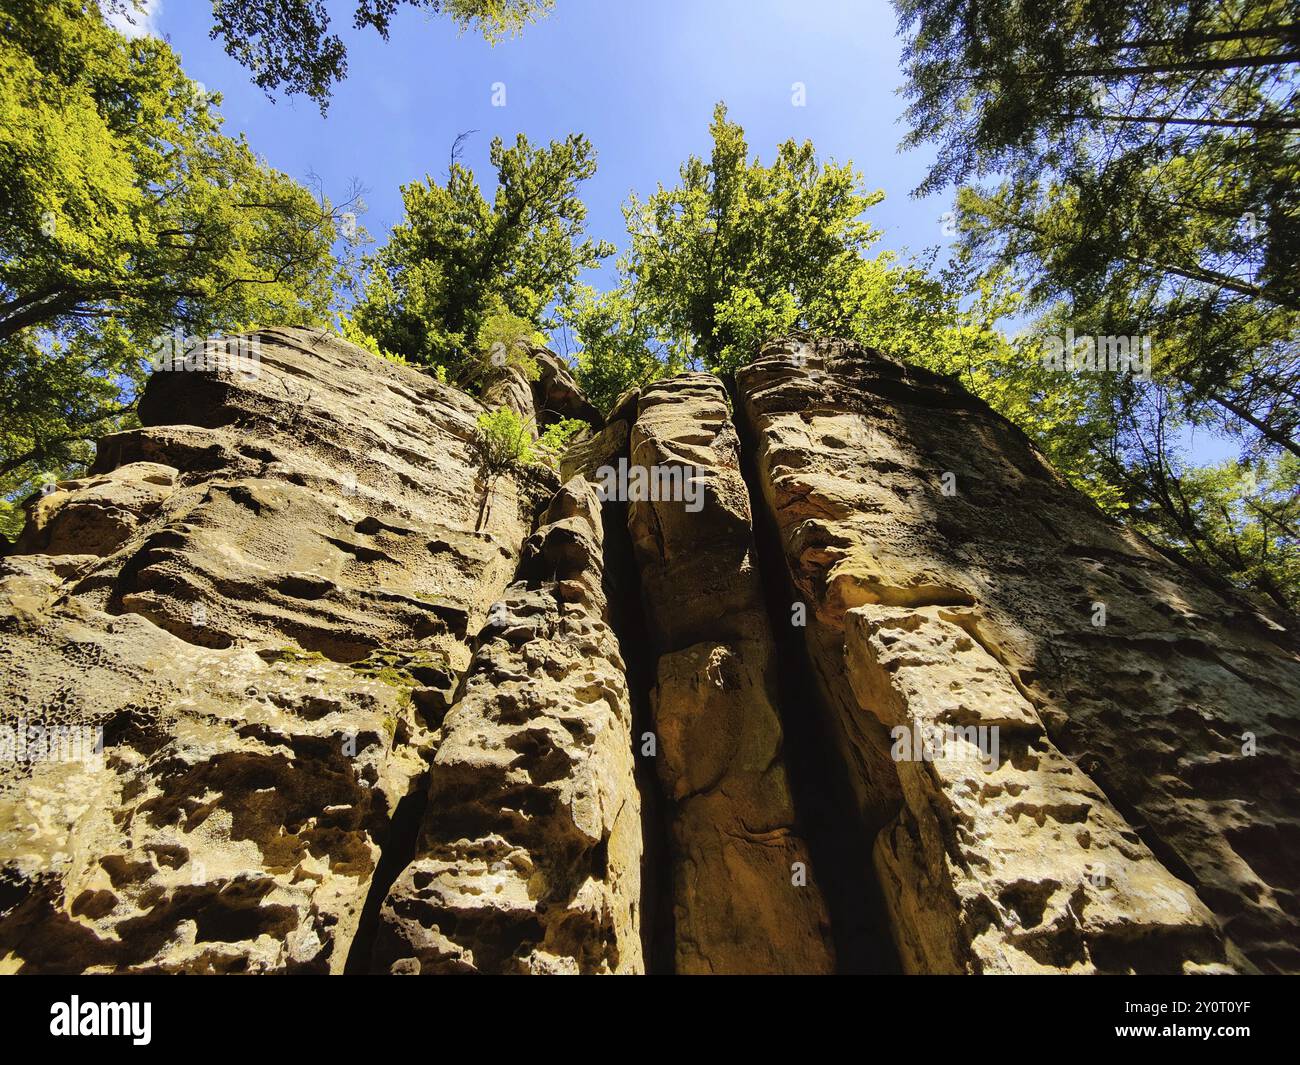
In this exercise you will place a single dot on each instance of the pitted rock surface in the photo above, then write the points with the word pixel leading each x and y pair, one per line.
pixel 528 860
pixel 261 598
pixel 1157 707
pixel 289 684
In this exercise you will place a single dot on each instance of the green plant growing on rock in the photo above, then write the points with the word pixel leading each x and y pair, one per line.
pixel 504 341
pixel 556 437
pixel 502 441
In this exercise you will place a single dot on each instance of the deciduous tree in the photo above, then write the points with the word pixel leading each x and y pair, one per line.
pixel 125 214
pixel 457 261
pixel 288 44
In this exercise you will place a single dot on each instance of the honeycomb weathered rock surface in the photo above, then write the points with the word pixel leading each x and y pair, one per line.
pixel 289 684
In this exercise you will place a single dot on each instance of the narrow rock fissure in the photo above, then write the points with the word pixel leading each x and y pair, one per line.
pixel 838 842
pixel 627 618
pixel 395 854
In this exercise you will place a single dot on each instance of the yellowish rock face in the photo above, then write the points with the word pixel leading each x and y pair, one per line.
pixel 1130 818
pixel 821 669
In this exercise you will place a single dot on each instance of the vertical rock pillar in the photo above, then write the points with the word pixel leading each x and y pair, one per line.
pixel 529 857
pixel 1074 755
pixel 745 897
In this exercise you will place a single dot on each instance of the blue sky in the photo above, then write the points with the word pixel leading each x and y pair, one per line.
pixel 639 79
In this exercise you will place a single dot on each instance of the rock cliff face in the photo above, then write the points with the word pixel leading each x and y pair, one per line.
pixel 743 897
pixel 265 609
pixel 529 859
pixel 1138 814
pixel 289 684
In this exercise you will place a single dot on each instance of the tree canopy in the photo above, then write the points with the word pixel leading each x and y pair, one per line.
pixel 1134 169
pixel 437 292
pixel 741 251
pixel 125 215
pixel 288 45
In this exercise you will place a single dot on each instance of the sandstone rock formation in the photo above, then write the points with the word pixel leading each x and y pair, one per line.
pixel 1005 857
pixel 529 857
pixel 93 515
pixel 273 585
pixel 289 684
pixel 744 898
pixel 1149 722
